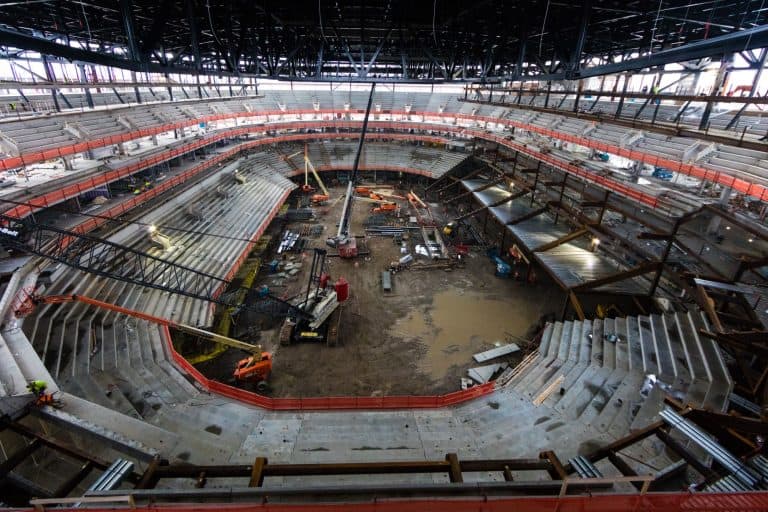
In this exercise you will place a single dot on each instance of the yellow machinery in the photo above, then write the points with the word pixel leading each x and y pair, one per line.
pixel 316 198
pixel 604 311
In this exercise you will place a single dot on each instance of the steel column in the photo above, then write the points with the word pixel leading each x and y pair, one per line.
pixel 720 79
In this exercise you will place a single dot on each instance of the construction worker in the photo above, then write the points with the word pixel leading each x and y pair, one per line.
pixel 37 387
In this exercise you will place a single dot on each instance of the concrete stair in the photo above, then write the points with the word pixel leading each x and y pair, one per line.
pixel 602 366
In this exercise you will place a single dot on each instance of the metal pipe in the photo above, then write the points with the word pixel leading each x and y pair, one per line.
pixel 723 456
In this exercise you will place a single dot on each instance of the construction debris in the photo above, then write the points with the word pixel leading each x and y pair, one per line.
pixel 386 281
pixel 482 374
pixel 299 214
pixel 287 242
pixel 495 352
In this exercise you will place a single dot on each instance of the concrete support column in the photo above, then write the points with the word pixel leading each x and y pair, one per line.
pixel 154 140
pixel 68 164
pixel 120 148
pixel 714 224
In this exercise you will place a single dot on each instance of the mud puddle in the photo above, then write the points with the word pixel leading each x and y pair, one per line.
pixel 457 325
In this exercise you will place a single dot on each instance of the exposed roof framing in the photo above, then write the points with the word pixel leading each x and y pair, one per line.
pixel 384 39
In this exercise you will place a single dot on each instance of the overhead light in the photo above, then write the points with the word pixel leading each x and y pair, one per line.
pixel 750 240
pixel 596 241
pixel 728 228
pixel 152 228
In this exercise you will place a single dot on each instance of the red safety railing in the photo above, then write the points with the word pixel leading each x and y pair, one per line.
pixel 73 190
pixel 739 184
pixel 656 502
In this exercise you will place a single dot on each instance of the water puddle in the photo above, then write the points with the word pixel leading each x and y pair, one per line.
pixel 455 326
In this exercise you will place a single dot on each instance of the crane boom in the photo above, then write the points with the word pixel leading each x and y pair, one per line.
pixel 346 213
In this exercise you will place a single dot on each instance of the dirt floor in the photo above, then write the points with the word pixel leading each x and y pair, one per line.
pixel 417 339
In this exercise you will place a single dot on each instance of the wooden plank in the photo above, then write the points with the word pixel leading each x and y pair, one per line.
pixel 454 471
pixel 548 391
pixel 257 472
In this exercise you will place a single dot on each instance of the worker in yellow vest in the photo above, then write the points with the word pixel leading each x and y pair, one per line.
pixel 37 387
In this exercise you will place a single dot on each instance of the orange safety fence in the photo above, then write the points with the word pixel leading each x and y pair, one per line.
pixel 651 502
pixel 324 403
pixel 739 184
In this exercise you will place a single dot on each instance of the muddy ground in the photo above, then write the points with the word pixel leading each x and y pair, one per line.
pixel 417 339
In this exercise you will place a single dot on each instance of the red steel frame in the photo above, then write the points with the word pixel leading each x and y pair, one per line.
pixel 738 184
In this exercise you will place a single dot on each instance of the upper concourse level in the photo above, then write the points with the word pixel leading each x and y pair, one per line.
pixel 30 139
